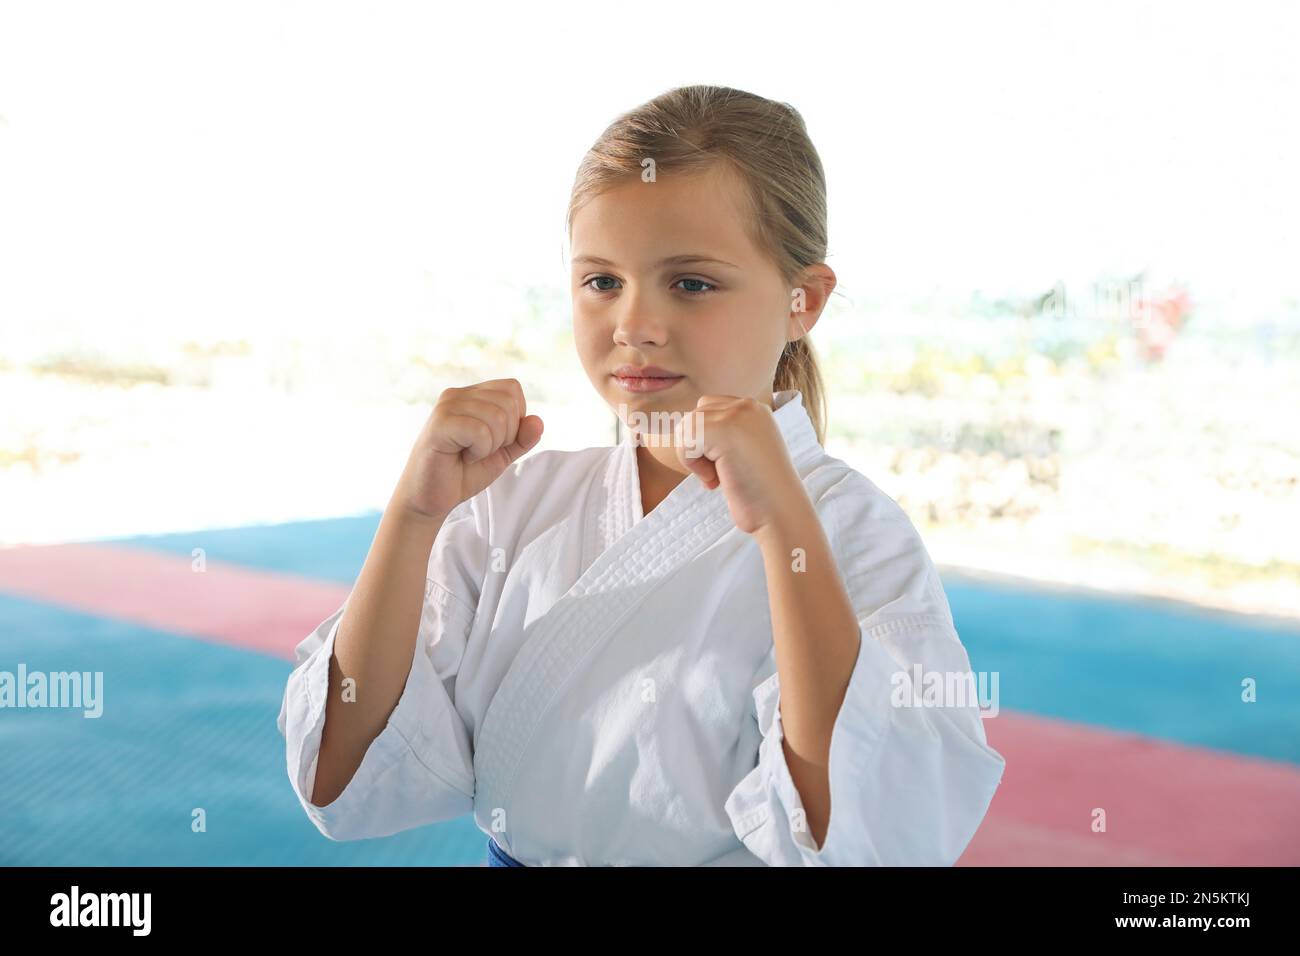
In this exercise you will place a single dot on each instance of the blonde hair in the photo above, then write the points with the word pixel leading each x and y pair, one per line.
pixel 695 128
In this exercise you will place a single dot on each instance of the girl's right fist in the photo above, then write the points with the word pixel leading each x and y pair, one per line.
pixel 468 440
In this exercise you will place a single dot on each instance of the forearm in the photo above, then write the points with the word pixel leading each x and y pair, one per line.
pixel 816 638
pixel 374 646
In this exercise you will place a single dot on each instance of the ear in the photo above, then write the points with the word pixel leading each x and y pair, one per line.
pixel 808 298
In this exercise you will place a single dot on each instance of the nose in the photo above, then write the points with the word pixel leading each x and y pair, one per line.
pixel 636 325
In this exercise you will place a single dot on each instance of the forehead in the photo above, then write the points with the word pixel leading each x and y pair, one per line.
pixel 637 222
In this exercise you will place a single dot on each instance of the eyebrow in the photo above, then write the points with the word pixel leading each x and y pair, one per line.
pixel 670 261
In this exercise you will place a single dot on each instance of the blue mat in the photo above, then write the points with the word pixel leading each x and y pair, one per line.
pixel 186 724
pixel 1158 669
pixel 189 724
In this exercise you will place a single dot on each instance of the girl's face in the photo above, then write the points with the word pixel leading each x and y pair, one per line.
pixel 664 274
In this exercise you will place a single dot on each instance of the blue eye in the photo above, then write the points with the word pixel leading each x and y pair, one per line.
pixel 712 287
pixel 690 292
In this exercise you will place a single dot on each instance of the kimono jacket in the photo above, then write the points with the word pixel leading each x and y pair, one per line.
pixel 599 686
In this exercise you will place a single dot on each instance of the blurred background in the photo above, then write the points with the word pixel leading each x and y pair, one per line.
pixel 243 248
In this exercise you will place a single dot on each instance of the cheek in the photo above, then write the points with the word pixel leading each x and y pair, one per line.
pixel 739 325
pixel 740 340
pixel 588 336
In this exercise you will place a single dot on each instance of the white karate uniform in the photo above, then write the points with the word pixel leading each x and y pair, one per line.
pixel 599 687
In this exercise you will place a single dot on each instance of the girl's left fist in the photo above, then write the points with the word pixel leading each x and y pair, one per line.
pixel 736 443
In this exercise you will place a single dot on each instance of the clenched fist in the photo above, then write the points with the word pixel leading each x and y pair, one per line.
pixel 470 438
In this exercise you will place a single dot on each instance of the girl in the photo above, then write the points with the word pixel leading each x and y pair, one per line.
pixel 699 647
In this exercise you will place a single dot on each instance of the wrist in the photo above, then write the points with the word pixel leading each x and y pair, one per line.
pixel 789 526
pixel 405 516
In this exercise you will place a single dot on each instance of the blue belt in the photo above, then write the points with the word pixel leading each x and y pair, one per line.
pixel 499 857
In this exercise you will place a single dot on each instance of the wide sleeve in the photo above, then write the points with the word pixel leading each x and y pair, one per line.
pixel 911 771
pixel 420 768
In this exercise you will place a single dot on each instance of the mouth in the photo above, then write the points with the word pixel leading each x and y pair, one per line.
pixel 648 379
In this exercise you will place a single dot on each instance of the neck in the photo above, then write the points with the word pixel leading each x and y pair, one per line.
pixel 660 472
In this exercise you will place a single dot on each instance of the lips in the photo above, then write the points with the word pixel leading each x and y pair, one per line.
pixel 645 378
pixel 644 371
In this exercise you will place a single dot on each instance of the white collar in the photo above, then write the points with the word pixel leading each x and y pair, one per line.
pixel 796 427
